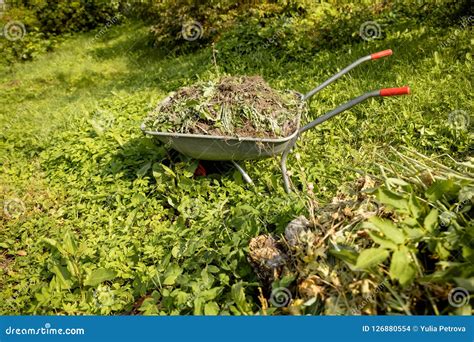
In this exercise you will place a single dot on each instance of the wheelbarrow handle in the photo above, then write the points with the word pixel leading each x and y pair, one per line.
pixel 382 92
pixel 344 71
pixel 395 91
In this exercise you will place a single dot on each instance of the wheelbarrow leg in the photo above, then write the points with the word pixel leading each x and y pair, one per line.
pixel 286 179
pixel 284 171
pixel 244 174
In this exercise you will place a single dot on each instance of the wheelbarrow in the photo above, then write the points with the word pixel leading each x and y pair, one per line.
pixel 234 149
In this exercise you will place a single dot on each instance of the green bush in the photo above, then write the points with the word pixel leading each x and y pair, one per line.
pixel 175 21
pixel 59 17
pixel 289 26
pixel 42 23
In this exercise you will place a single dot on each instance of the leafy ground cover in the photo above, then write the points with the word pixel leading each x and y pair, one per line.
pixel 98 219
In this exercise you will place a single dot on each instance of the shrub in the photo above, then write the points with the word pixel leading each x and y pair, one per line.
pixel 289 26
pixel 41 22
pixel 59 17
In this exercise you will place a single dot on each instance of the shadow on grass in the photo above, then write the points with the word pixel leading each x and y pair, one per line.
pixel 136 157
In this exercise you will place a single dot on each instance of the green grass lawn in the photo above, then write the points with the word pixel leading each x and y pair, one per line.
pixel 115 224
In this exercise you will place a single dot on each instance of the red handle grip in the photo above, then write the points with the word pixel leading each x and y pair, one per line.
pixel 381 54
pixel 395 91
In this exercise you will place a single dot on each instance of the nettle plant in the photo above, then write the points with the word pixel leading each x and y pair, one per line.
pixel 425 232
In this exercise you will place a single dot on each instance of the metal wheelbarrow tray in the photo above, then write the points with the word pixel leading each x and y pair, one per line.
pixel 227 148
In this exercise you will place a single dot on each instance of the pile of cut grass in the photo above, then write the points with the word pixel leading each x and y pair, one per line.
pixel 244 106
